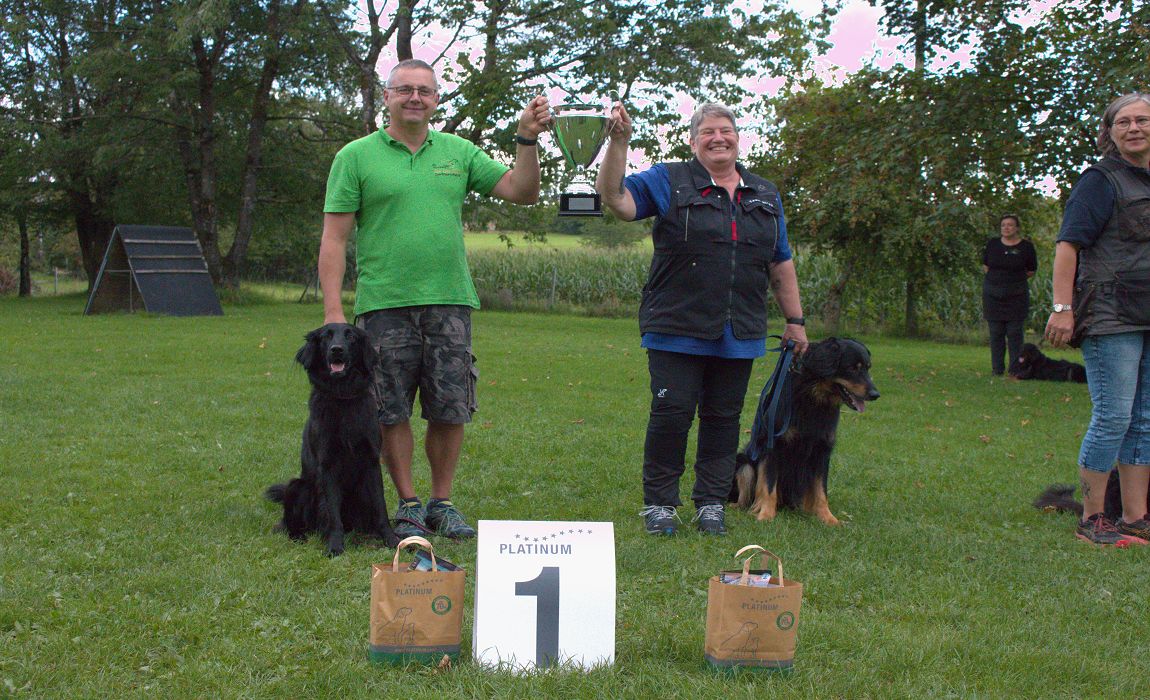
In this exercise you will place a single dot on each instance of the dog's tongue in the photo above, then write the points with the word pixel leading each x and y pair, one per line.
pixel 860 405
pixel 337 367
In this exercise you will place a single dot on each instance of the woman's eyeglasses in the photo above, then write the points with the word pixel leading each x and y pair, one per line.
pixel 1124 123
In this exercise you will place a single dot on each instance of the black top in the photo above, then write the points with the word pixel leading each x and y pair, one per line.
pixel 1008 263
pixel 1005 293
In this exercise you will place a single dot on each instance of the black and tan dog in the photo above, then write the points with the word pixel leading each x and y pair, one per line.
pixel 832 373
pixel 1032 364
pixel 340 487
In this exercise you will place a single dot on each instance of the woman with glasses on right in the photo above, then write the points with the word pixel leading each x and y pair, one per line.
pixel 1102 302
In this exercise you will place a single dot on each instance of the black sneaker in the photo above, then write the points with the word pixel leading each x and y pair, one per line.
pixel 445 519
pixel 711 519
pixel 1097 529
pixel 660 520
pixel 1139 530
pixel 410 519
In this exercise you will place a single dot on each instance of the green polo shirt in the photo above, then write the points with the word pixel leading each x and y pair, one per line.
pixel 408 209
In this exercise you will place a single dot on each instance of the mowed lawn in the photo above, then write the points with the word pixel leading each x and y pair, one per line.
pixel 137 556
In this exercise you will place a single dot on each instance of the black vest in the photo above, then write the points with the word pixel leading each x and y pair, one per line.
pixel 701 277
pixel 1123 250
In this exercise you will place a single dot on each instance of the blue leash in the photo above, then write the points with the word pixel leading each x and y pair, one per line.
pixel 775 397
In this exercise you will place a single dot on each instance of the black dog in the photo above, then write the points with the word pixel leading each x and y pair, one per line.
pixel 340 487
pixel 832 373
pixel 1032 364
pixel 1060 497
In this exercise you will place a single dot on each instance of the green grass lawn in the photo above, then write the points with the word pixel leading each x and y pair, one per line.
pixel 138 560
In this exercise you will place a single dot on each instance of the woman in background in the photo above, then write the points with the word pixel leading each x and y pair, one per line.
pixel 1008 261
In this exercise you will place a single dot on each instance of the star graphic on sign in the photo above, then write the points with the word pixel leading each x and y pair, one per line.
pixel 517 537
pixel 536 539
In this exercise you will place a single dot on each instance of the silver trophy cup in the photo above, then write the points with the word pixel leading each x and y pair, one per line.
pixel 580 130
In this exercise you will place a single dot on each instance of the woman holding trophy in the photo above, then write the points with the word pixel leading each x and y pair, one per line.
pixel 719 241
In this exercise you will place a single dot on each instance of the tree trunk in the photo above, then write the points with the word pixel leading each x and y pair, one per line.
pixel 911 309
pixel 236 260
pixel 833 308
pixel 93 233
pixel 197 147
pixel 25 259
pixel 403 29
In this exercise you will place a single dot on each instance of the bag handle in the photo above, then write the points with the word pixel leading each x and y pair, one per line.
pixel 408 541
pixel 747 562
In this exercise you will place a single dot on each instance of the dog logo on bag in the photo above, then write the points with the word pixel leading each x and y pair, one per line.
pixel 398 630
pixel 744 641
pixel 785 620
pixel 441 605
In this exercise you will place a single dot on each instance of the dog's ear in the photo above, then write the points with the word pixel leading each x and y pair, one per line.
pixel 310 350
pixel 367 355
pixel 821 358
pixel 862 350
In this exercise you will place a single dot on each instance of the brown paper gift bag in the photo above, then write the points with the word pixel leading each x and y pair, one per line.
pixel 415 615
pixel 752 627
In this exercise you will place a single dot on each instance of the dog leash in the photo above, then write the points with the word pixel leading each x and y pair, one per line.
pixel 771 402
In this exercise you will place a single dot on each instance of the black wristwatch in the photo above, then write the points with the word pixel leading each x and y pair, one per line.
pixel 524 141
pixel 796 321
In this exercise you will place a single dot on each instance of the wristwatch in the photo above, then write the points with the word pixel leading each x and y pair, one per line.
pixel 1059 308
pixel 799 321
pixel 524 141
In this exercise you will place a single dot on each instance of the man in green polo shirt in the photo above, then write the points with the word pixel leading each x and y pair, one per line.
pixel 401 190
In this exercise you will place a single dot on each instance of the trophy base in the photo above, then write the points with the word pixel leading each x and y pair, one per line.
pixel 580 204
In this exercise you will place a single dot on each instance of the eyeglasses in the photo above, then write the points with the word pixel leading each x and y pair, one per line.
pixel 1125 123
pixel 408 90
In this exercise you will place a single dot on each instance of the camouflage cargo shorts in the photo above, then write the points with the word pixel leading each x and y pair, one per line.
pixel 426 348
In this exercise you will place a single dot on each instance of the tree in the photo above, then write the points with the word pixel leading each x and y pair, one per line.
pixel 1081 57
pixel 503 52
pixel 903 170
pixel 56 109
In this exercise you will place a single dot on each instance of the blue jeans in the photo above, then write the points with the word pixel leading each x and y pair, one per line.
pixel 1118 372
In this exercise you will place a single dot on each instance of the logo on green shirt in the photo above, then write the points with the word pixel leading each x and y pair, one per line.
pixel 447 167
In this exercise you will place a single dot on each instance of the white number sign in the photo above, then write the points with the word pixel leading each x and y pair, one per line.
pixel 544 594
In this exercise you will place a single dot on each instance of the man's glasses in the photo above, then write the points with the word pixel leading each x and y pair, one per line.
pixel 408 91
pixel 1124 123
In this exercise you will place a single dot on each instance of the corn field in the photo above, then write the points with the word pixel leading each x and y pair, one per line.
pixel 609 283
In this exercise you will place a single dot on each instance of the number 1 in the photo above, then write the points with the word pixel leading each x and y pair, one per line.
pixel 545 588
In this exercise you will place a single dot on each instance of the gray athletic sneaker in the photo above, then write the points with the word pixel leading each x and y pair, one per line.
pixel 660 520
pixel 411 519
pixel 445 519
pixel 711 519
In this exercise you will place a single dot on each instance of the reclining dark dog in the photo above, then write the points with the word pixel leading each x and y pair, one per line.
pixel 1032 364
pixel 832 373
pixel 1060 498
pixel 340 487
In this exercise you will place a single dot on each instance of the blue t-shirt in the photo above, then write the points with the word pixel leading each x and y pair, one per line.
pixel 1090 206
pixel 651 191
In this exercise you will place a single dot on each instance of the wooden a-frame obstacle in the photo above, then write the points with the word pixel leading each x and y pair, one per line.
pixel 158 269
